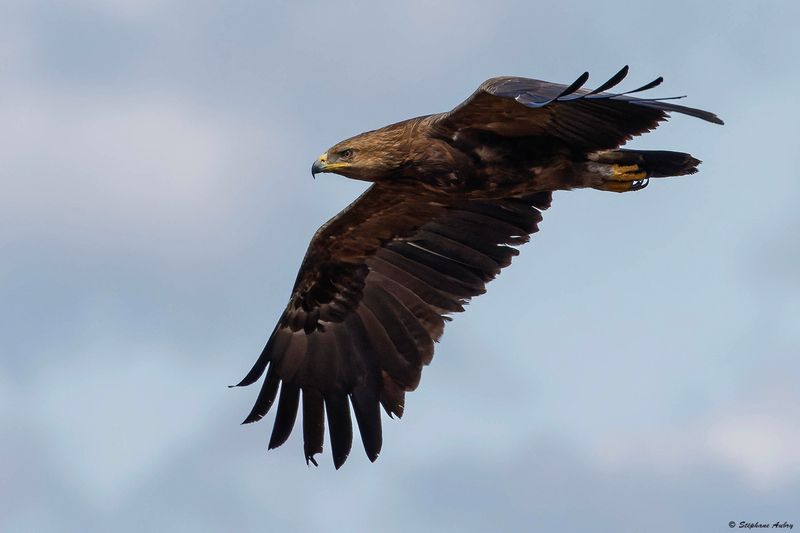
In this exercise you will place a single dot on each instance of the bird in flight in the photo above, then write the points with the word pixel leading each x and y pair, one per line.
pixel 452 194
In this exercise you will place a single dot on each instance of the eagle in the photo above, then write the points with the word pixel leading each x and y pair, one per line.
pixel 452 196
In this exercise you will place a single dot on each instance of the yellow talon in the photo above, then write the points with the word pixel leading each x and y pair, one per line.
pixel 622 178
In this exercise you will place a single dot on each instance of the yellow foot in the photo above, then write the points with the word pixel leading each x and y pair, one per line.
pixel 624 178
pixel 627 173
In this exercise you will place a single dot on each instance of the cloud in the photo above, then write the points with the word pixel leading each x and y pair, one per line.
pixel 116 170
pixel 762 446
pixel 752 437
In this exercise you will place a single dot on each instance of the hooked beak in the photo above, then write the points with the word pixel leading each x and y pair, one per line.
pixel 319 165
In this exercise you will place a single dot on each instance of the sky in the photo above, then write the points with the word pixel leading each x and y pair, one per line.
pixel 635 369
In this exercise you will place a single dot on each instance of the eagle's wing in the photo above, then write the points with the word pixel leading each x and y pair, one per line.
pixel 371 297
pixel 580 118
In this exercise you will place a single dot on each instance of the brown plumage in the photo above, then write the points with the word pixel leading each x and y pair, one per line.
pixel 453 194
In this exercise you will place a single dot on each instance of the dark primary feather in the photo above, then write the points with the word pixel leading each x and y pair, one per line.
pixel 313 423
pixel 287 413
pixel 613 81
pixel 341 429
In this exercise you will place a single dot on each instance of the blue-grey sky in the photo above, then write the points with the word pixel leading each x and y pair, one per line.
pixel 635 369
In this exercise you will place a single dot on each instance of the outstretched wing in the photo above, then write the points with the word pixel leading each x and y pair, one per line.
pixel 372 295
pixel 580 118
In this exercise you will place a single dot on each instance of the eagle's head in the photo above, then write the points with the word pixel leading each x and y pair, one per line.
pixel 370 156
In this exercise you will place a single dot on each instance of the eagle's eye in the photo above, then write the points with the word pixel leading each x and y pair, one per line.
pixel 346 154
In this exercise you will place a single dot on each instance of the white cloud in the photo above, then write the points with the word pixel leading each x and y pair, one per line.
pixel 117 170
pixel 759 445
pixel 762 446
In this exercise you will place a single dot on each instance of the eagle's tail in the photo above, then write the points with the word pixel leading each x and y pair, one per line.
pixel 630 170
